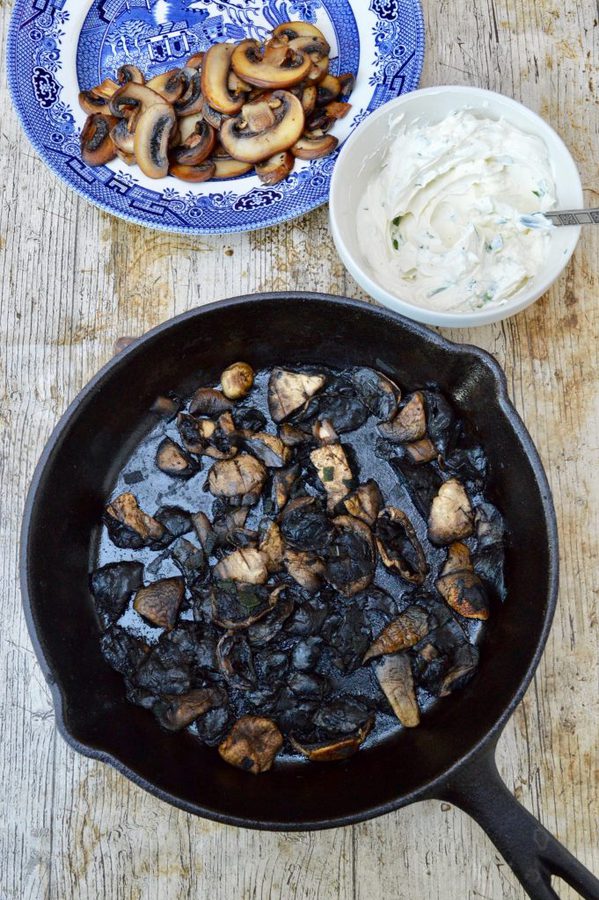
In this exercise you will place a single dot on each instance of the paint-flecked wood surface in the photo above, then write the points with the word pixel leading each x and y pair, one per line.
pixel 73 279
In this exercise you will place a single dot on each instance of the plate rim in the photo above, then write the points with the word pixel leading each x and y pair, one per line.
pixel 412 84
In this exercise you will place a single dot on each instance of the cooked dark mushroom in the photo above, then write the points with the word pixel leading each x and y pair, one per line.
pixel 236 662
pixel 324 433
pixel 305 525
pixel 263 128
pixel 112 586
pixel 409 424
pixel 444 661
pixel 246 565
pixel 440 420
pixel 272 546
pixel 336 750
pixel 274 66
pixel 365 502
pixel 141 529
pixel 170 85
pixel 215 74
pixel 339 405
pixel 460 586
pixel 421 452
pixel 173 460
pixel 394 674
pixel 252 744
pixel 236 606
pixel 288 391
pixel 268 448
pixel 195 149
pixel 282 484
pixel 422 483
pixel 334 472
pixel 190 560
pixel 152 134
pixel 292 436
pixel 378 394
pixel 313 146
pixel 399 546
pixel 347 82
pixel 196 174
pixel 490 554
pixel 306 654
pixel 97 146
pixel 237 380
pixel 306 568
pixel 209 402
pixel 406 631
pixel 241 478
pixel 451 517
pixel 159 602
pixel 328 90
pixel 275 168
pixel 270 626
pixel 176 713
pixel 351 556
pixel 191 101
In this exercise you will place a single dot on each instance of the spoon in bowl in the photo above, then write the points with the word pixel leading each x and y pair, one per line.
pixel 561 217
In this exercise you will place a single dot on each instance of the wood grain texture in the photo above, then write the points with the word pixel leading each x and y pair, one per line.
pixel 73 280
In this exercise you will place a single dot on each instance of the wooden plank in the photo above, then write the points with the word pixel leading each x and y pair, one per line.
pixel 74 280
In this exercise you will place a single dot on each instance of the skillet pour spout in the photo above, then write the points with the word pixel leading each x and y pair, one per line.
pixel 451 754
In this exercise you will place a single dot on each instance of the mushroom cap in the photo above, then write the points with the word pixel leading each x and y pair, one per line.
pixel 252 64
pixel 152 135
pixel 215 73
pixel 286 125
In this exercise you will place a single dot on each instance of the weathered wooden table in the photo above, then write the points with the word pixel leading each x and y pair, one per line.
pixel 73 279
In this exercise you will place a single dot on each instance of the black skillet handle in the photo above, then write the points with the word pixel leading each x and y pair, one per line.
pixel 530 850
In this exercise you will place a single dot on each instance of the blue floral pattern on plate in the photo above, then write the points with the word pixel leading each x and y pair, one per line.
pixel 58 47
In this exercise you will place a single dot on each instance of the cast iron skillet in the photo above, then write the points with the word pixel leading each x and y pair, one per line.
pixel 451 755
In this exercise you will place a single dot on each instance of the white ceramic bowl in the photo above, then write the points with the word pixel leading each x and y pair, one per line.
pixel 361 158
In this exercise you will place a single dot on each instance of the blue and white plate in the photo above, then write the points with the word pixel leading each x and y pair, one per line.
pixel 58 47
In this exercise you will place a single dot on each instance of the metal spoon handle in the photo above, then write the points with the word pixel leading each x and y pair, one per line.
pixel 574 216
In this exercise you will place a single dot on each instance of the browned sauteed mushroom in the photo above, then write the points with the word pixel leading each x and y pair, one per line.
pixel 228 110
pixel 329 574
pixel 252 744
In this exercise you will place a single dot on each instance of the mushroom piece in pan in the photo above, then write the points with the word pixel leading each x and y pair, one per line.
pixel 240 479
pixel 209 402
pixel 252 744
pixel 451 517
pixel 406 631
pixel 460 586
pixel 112 586
pixel 236 606
pixel 305 568
pixel 444 661
pixel 237 380
pixel 175 713
pixel 269 448
pixel 342 748
pixel 410 422
pixel 399 547
pixel 173 460
pixel 394 674
pixel 365 502
pixel 246 565
pixel 272 546
pixel 129 526
pixel 288 391
pixel 377 392
pixel 333 471
pixel 159 602
pixel 351 558
pixel 282 483
pixel 236 662
pixel 305 525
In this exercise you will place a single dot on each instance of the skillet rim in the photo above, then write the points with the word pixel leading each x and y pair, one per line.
pixel 435 785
